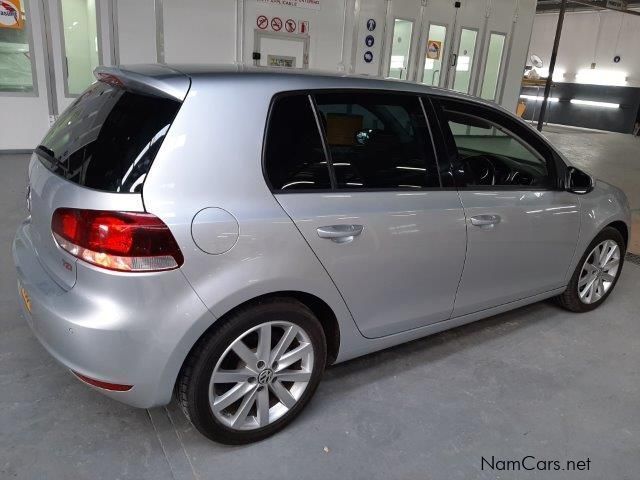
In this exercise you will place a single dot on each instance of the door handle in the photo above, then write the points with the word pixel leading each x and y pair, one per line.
pixel 485 220
pixel 340 233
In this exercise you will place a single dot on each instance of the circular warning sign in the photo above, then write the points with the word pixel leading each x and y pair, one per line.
pixel 290 26
pixel 262 22
pixel 10 14
pixel 276 24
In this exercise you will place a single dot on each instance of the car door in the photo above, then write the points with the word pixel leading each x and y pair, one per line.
pixel 357 173
pixel 522 227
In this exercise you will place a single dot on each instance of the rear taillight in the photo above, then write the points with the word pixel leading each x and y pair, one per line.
pixel 123 241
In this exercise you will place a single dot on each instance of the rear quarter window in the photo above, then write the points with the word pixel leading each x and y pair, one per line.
pixel 294 156
pixel 108 138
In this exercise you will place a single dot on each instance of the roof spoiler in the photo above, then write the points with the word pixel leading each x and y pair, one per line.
pixel 158 80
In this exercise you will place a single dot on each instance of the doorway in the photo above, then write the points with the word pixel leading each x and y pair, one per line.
pixel 75 47
pixel 281 50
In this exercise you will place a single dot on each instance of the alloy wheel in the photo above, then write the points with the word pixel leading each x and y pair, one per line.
pixel 599 271
pixel 261 375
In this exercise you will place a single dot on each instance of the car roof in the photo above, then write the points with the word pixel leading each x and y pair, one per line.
pixel 169 78
pixel 309 76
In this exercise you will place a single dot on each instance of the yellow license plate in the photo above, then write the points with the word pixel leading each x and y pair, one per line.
pixel 25 298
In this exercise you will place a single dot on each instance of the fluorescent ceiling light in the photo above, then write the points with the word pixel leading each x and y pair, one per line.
pixel 591 103
pixel 539 99
pixel 597 76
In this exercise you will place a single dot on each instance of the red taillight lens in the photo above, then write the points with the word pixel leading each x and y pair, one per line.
pixel 124 241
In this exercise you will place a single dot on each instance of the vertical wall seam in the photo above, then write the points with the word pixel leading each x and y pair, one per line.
pixel 159 15
pixel 52 97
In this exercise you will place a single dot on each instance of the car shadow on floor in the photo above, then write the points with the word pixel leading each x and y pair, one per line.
pixel 433 348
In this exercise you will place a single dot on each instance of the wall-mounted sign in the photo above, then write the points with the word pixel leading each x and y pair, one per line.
pixel 281 61
pixel 11 14
pixel 276 24
pixel 312 4
pixel 368 56
pixel 369 40
pixel 371 24
pixel 262 22
pixel 434 49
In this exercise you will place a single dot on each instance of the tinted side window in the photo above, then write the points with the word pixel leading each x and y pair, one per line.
pixel 489 152
pixel 378 140
pixel 294 157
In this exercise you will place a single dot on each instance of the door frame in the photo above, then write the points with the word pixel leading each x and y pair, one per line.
pixel 451 79
pixel 389 41
pixel 422 53
pixel 60 33
pixel 483 67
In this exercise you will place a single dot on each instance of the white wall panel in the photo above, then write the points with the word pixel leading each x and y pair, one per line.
pixel 199 31
pixel 516 57
pixel 136 31
pixel 590 37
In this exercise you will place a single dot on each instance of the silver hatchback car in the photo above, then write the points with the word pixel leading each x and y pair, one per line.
pixel 224 235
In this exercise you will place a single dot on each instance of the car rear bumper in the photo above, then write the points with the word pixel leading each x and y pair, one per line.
pixel 125 329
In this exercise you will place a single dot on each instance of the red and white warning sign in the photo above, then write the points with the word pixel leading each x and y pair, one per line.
pixel 262 22
pixel 303 26
pixel 276 24
pixel 290 25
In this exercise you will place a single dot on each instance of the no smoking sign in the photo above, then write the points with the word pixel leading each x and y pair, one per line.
pixel 276 24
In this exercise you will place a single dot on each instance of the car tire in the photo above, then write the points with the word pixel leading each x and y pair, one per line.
pixel 201 393
pixel 573 298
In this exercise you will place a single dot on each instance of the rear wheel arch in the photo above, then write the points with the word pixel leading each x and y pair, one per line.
pixel 323 312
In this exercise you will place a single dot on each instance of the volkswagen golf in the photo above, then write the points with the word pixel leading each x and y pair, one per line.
pixel 223 235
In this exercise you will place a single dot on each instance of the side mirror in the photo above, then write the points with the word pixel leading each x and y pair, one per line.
pixel 578 181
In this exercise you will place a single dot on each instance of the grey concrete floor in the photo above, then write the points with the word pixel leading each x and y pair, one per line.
pixel 613 157
pixel 535 381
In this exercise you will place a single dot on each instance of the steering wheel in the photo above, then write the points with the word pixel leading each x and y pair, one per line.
pixel 479 170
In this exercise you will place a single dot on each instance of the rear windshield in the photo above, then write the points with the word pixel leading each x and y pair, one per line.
pixel 108 138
